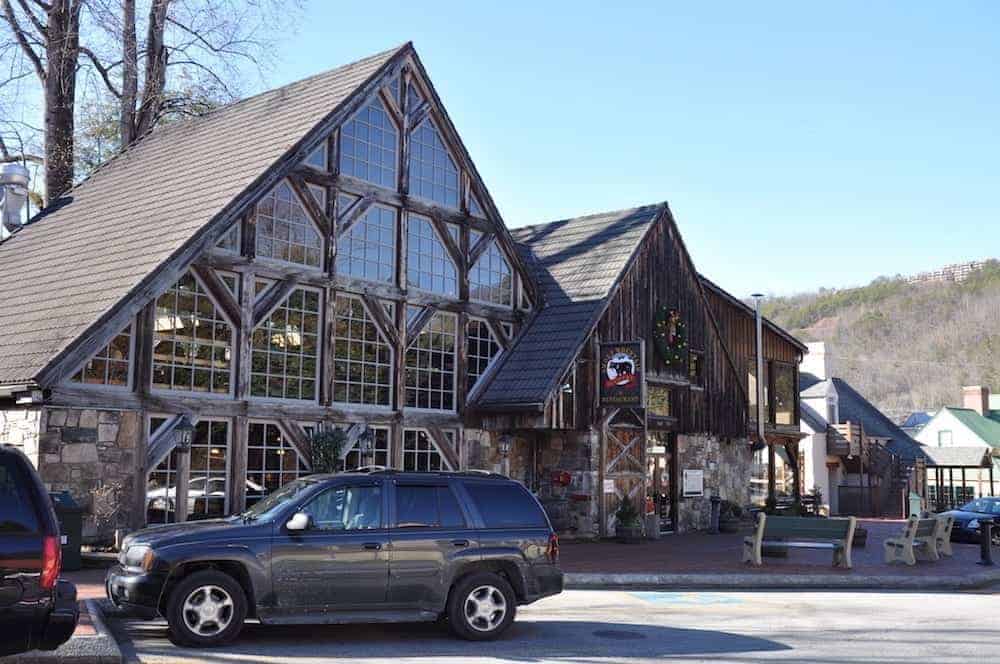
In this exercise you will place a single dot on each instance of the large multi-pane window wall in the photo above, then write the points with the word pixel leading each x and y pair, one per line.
pixel 368 145
pixel 420 453
pixel 433 174
pixel 362 358
pixel 490 278
pixel 110 366
pixel 428 265
pixel 430 365
pixel 208 486
pixel 192 341
pixel 380 455
pixel 284 230
pixel 368 249
pixel 271 461
pixel 482 348
pixel 285 349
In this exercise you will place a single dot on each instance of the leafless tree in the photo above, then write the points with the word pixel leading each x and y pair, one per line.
pixel 192 55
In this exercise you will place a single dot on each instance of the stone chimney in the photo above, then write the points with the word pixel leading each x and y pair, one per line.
pixel 977 398
pixel 816 361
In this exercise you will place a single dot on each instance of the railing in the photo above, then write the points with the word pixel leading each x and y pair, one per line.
pixel 844 439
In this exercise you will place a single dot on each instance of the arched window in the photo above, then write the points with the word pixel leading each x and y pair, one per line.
pixel 192 341
pixel 368 249
pixel 368 144
pixel 284 230
pixel 490 278
pixel 285 361
pixel 433 174
pixel 428 265
pixel 110 365
pixel 481 349
pixel 362 358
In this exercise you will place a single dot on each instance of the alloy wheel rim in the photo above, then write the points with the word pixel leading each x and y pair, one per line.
pixel 485 608
pixel 208 610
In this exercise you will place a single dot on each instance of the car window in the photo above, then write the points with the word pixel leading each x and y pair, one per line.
pixel 451 513
pixel 506 505
pixel 17 511
pixel 347 508
pixel 416 507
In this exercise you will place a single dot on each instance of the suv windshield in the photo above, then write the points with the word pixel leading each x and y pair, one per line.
pixel 266 508
pixel 982 506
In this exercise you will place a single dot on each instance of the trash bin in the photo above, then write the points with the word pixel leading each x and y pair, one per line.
pixel 70 516
pixel 916 506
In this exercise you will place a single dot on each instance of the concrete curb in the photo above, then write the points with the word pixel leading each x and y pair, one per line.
pixel 610 581
pixel 98 649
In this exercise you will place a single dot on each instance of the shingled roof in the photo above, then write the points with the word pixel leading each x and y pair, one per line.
pixel 69 267
pixel 577 263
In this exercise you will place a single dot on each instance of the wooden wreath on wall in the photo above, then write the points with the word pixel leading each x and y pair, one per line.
pixel 670 337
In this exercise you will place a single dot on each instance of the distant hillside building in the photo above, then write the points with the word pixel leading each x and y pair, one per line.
pixel 957 272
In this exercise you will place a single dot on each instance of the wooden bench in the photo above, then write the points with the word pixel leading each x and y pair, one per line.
pixel 919 537
pixel 797 532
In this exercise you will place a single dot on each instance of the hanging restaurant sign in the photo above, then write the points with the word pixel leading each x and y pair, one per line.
pixel 622 374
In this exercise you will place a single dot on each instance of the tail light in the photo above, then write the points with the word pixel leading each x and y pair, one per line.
pixel 553 548
pixel 51 562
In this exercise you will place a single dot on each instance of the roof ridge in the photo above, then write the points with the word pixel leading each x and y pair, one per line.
pixel 160 130
pixel 589 216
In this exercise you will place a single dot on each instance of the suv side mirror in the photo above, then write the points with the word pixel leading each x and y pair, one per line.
pixel 300 521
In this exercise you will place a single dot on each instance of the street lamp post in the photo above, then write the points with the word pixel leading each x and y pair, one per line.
pixel 758 320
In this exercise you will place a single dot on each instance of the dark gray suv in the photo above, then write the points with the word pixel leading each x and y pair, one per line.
pixel 358 547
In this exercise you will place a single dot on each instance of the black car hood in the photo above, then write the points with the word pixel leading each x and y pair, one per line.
pixel 962 516
pixel 207 530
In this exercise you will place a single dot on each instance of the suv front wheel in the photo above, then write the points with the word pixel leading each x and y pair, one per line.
pixel 481 607
pixel 206 609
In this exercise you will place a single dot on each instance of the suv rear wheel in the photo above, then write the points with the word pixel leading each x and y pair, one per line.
pixel 206 609
pixel 481 607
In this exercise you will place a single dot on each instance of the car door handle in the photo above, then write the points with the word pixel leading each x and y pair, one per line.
pixel 460 542
pixel 372 546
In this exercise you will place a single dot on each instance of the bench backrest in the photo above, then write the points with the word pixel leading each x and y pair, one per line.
pixel 926 527
pixel 806 528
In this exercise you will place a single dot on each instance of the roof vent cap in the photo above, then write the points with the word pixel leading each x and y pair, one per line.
pixel 14 179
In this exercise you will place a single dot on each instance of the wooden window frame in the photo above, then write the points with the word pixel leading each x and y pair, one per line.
pixel 320 345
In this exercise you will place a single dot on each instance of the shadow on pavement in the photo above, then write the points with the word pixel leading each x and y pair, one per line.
pixel 527 641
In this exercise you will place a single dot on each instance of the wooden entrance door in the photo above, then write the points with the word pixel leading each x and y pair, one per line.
pixel 624 457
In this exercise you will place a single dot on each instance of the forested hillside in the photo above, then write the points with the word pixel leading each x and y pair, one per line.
pixel 904 346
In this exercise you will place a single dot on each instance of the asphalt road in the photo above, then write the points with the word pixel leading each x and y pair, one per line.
pixel 611 626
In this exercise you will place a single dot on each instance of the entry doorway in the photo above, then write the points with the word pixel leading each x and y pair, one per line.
pixel 661 477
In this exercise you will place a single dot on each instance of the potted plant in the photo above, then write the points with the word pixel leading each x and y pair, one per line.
pixel 628 523
pixel 325 449
pixel 730 517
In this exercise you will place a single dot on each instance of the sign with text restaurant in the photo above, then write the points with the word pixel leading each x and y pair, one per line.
pixel 622 374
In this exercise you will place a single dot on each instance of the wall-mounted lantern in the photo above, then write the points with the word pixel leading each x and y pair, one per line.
pixel 184 435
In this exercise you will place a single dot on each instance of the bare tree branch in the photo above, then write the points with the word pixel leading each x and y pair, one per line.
pixel 22 39
pixel 37 22
pixel 104 71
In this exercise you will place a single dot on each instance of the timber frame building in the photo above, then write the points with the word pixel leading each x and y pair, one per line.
pixel 326 255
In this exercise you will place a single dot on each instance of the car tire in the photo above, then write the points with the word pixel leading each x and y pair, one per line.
pixel 481 607
pixel 206 609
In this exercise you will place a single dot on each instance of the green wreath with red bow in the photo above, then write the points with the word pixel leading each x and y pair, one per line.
pixel 670 337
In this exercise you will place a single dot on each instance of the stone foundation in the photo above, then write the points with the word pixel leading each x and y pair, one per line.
pixel 572 507
pixel 91 454
pixel 727 475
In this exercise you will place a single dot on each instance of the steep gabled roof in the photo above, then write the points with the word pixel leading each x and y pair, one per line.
pixel 968 457
pixel 987 428
pixel 855 408
pixel 89 250
pixel 740 304
pixel 577 263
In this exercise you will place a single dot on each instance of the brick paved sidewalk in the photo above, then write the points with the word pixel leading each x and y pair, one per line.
pixel 717 554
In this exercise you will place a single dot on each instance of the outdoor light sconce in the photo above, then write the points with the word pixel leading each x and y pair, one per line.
pixel 506 443
pixel 366 441
pixel 184 435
